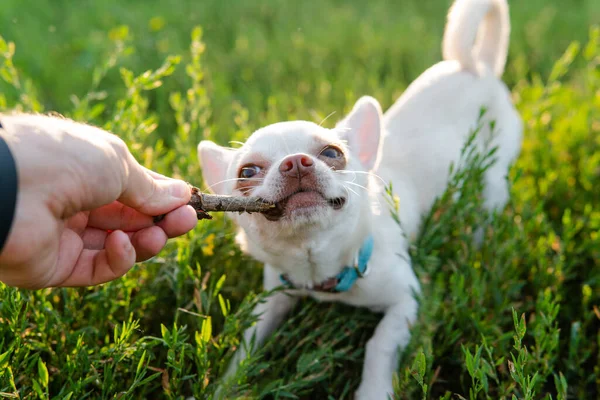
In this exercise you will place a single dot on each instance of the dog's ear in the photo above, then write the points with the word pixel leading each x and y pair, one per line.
pixel 362 130
pixel 214 161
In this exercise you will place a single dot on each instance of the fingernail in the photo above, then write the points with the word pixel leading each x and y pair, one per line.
pixel 127 247
pixel 180 190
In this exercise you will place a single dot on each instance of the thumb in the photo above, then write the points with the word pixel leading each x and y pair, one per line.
pixel 151 195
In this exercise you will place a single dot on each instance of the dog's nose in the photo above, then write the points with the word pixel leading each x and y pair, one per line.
pixel 296 165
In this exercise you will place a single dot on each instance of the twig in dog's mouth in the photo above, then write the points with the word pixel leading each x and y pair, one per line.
pixel 278 210
pixel 204 203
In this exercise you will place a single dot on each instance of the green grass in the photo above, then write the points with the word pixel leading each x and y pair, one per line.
pixel 519 317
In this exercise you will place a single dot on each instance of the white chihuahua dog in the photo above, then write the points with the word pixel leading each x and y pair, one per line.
pixel 331 239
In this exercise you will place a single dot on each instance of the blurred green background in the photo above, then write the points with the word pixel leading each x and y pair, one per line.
pixel 325 52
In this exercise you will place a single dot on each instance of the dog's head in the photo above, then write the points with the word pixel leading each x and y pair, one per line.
pixel 316 177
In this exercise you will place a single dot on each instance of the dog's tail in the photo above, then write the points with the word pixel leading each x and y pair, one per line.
pixel 485 20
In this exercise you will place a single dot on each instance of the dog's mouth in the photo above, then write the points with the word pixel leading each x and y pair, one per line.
pixel 281 206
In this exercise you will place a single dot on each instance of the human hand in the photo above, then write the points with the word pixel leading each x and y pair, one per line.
pixel 84 207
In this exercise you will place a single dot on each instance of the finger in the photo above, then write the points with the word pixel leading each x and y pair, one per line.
pixel 69 250
pixel 148 242
pixel 176 223
pixel 94 239
pixel 118 258
pixel 180 221
pixel 78 222
pixel 150 195
pixel 94 267
pixel 156 175
pixel 118 216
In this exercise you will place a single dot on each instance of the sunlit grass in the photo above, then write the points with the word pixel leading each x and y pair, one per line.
pixel 519 317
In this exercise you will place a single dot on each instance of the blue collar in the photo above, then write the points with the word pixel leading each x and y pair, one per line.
pixel 343 281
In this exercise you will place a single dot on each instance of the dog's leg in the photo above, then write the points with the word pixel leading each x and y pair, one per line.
pixel 495 194
pixel 271 312
pixel 381 356
pixel 508 138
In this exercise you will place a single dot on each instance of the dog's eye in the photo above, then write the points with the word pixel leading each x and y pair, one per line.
pixel 331 152
pixel 249 171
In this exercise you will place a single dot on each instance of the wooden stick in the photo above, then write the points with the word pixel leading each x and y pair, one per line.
pixel 204 203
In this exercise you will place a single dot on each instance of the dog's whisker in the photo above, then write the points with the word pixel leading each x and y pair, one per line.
pixel 360 186
pixel 370 173
pixel 350 190
pixel 330 114
pixel 234 180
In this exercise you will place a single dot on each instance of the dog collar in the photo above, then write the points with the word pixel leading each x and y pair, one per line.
pixel 343 281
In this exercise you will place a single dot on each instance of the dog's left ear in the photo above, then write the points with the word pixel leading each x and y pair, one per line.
pixel 362 130
pixel 214 161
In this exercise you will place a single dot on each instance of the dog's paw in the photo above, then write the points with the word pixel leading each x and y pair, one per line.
pixel 227 376
pixel 374 392
pixel 219 393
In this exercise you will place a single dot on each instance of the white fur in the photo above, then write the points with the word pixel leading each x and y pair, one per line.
pixel 422 134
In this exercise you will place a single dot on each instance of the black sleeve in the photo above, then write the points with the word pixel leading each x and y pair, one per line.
pixel 8 190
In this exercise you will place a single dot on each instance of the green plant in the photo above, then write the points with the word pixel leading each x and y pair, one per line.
pixel 516 318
